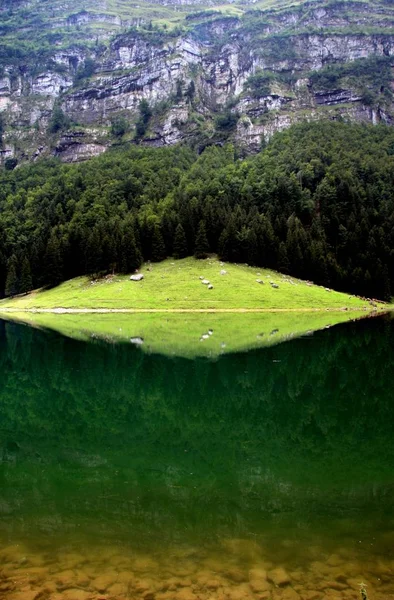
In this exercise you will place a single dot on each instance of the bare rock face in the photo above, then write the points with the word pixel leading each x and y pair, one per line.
pixel 191 78
pixel 76 146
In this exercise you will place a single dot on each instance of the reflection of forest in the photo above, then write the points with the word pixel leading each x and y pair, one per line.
pixel 108 432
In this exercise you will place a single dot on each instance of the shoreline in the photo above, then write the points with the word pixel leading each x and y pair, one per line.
pixel 61 311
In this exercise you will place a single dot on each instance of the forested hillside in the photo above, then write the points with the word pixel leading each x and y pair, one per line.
pixel 317 202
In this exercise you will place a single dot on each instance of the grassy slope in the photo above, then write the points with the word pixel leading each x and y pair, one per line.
pixel 181 335
pixel 174 285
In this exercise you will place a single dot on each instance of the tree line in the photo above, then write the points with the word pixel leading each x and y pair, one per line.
pixel 317 203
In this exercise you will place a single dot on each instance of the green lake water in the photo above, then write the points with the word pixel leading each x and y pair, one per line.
pixel 123 471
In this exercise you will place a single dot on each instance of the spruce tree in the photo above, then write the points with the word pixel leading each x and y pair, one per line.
pixel 158 247
pixel 180 242
pixel 283 261
pixel 26 283
pixel 53 268
pixel 12 282
pixel 201 247
pixel 131 257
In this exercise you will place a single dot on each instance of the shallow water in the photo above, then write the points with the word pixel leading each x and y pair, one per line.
pixel 257 475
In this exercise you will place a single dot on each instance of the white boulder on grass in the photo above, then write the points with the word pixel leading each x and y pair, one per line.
pixel 136 277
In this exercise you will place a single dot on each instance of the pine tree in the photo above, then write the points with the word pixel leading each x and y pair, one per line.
pixel 180 242
pixel 201 247
pixel 53 268
pixel 253 246
pixel 26 282
pixel 12 282
pixel 283 261
pixel 131 258
pixel 158 247
pixel 94 252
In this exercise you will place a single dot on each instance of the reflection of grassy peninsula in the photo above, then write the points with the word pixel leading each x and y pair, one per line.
pixel 108 433
pixel 189 334
pixel 174 285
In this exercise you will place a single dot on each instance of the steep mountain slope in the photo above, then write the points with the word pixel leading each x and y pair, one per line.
pixel 72 81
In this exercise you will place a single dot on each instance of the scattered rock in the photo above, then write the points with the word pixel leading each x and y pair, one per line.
pixel 185 594
pixel 73 560
pixel 327 289
pixel 223 272
pixel 275 285
pixel 137 340
pixel 65 579
pixel 311 595
pixel 81 579
pixel 76 594
pixel 213 584
pixel 136 277
pixel 259 281
pixel 210 331
pixel 125 577
pixel 334 585
pixel 201 277
pixel 235 574
pixel 144 585
pixel 34 574
pixel 27 595
pixel 239 592
pixel 290 594
pixel 205 281
pixel 205 336
pixel 118 589
pixel 210 286
pixel 259 585
pixel 258 574
pixel 278 577
pixel 103 582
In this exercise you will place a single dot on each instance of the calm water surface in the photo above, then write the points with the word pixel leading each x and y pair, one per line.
pixel 267 474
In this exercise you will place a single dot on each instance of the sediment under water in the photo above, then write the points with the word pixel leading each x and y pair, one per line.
pixel 266 474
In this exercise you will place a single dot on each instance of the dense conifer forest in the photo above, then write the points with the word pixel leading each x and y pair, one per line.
pixel 317 202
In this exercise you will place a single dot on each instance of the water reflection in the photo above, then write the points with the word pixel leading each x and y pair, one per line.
pixel 277 457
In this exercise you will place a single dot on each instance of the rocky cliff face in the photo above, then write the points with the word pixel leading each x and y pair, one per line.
pixel 239 78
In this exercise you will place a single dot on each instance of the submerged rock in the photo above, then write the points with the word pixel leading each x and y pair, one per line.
pixel 279 577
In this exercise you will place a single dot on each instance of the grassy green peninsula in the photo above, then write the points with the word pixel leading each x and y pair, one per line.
pixel 188 285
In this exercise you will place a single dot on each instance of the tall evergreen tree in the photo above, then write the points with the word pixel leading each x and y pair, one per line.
pixel 201 246
pixel 12 280
pixel 180 242
pixel 158 247
pixel 26 282
pixel 131 257
pixel 53 267
pixel 283 261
